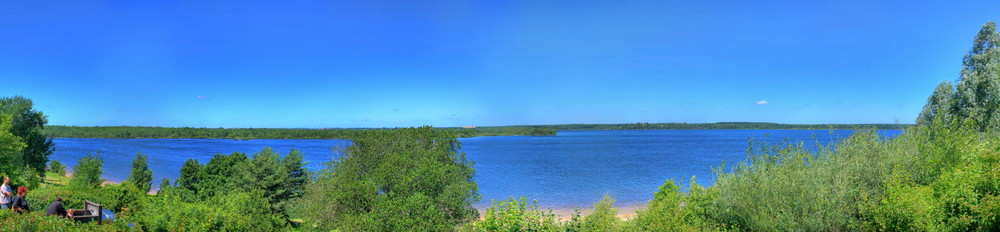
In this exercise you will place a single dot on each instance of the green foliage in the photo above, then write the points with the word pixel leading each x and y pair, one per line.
pixel 58 168
pixel 10 147
pixel 164 186
pixel 515 215
pixel 975 95
pixel 603 217
pixel 113 196
pixel 28 178
pixel 189 181
pixel 237 211
pixel 281 179
pixel 939 104
pixel 140 176
pixel 415 174
pixel 37 221
pixel 233 211
pixel 218 172
pixel 87 172
pixel 673 210
pixel 977 88
pixel 28 123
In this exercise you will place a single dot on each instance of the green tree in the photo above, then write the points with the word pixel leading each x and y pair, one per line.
pixel 411 179
pixel 298 176
pixel 57 167
pixel 140 176
pixel 265 171
pixel 10 147
pixel 190 178
pixel 939 104
pixel 218 173
pixel 164 186
pixel 28 124
pixel 978 88
pixel 87 172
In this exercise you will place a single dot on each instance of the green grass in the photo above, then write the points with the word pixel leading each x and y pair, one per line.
pixel 55 179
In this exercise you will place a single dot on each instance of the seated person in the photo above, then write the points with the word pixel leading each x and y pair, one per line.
pixel 56 208
pixel 18 203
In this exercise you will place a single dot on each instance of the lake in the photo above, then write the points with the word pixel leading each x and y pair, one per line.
pixel 571 169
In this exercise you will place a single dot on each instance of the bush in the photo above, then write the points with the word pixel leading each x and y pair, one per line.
pixel 515 215
pixel 37 221
pixel 404 179
pixel 242 211
pixel 57 167
pixel 673 210
pixel 87 172
pixel 604 217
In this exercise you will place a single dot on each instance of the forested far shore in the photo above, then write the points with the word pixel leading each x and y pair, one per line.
pixel 720 125
pixel 131 132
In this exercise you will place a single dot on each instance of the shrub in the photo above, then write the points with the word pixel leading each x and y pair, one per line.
pixel 242 211
pixel 604 217
pixel 37 221
pixel 515 215
pixel 416 175
pixel 673 210
pixel 57 167
pixel 87 172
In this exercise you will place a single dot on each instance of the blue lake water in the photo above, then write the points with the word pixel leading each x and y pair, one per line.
pixel 571 169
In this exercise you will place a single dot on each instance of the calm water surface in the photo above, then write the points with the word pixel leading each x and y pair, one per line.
pixel 571 169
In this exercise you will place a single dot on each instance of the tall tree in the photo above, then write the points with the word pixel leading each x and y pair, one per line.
pixel 978 88
pixel 140 176
pixel 27 123
pixel 190 176
pixel 280 181
pixel 298 176
pixel 939 104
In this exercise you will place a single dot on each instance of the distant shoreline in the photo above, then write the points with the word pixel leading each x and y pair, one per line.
pixel 142 132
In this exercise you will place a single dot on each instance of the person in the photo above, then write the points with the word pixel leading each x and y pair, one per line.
pixel 5 193
pixel 56 208
pixel 18 203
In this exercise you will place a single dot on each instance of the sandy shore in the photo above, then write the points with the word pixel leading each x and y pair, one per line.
pixel 69 174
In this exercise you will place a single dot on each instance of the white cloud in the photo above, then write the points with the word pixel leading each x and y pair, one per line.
pixel 762 102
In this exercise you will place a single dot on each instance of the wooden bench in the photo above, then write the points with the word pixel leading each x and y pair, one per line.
pixel 91 211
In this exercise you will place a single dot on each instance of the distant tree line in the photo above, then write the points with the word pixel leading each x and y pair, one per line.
pixel 720 125
pixel 131 132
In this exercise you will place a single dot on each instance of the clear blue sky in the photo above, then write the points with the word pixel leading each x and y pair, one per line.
pixel 452 63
